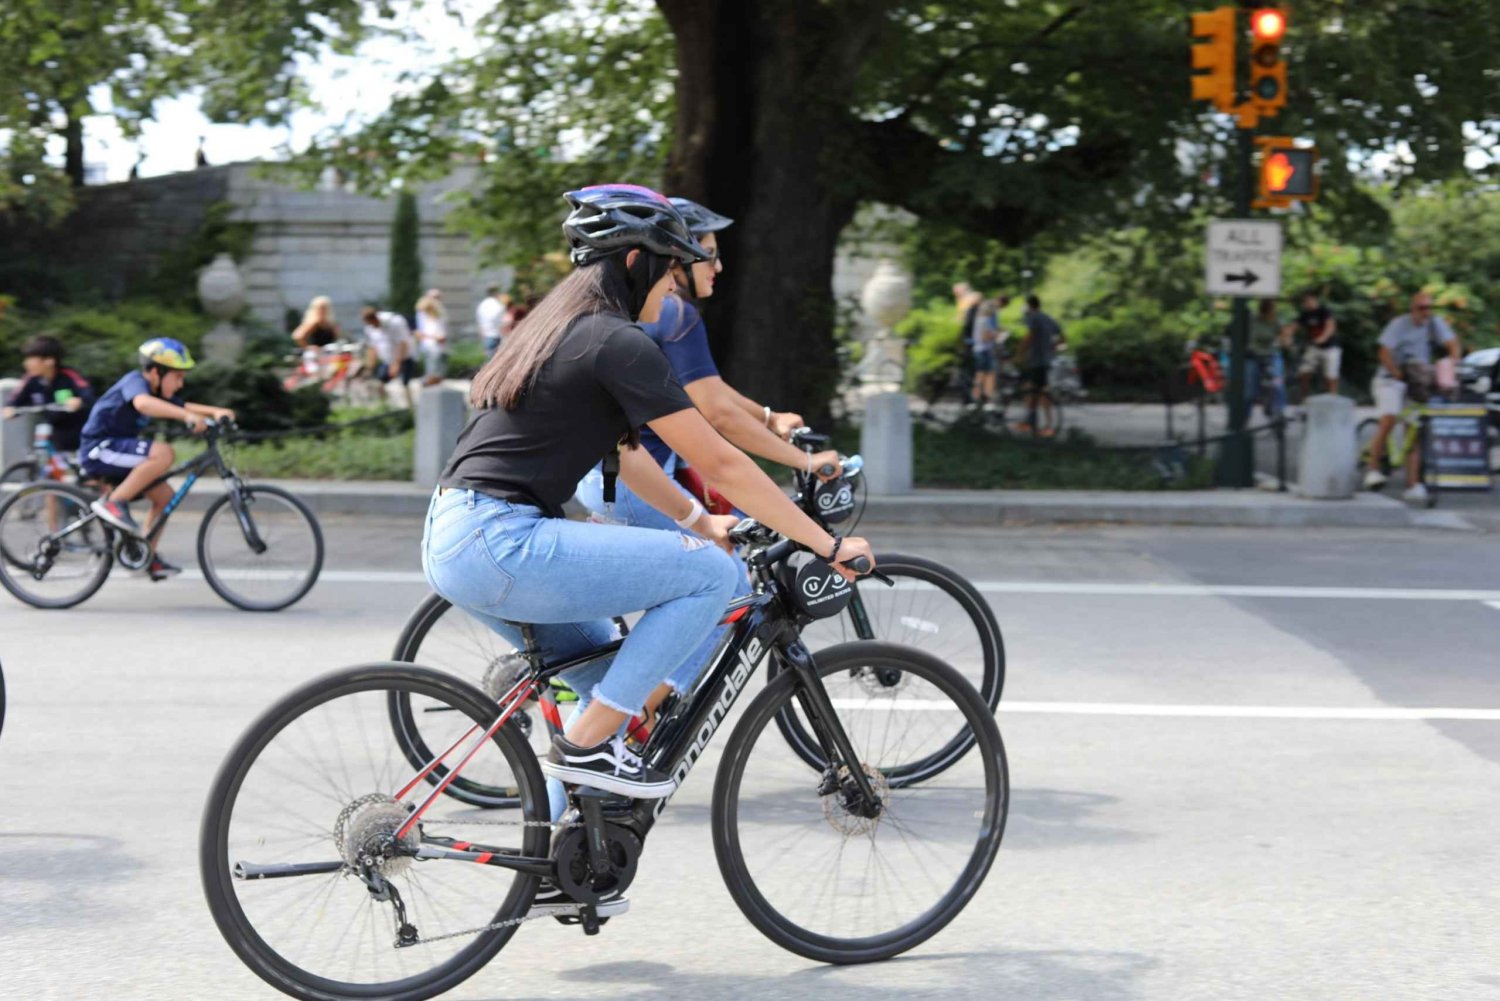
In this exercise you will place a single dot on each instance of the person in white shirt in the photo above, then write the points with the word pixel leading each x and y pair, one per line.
pixel 432 336
pixel 389 349
pixel 490 319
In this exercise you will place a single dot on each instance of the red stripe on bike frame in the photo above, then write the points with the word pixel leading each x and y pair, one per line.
pixel 461 845
pixel 736 615
pixel 484 857
pixel 511 700
pixel 550 713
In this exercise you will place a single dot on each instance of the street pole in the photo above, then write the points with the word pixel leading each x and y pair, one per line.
pixel 1237 459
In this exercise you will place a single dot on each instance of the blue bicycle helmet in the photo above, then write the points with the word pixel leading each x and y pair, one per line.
pixel 607 218
pixel 700 221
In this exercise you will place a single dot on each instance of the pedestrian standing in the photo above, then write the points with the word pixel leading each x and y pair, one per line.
pixel 1044 336
pixel 967 300
pixel 432 336
pixel 1406 373
pixel 1321 353
pixel 1260 355
pixel 489 317
pixel 986 336
pixel 389 350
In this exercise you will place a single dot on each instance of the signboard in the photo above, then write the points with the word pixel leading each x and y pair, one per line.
pixel 1460 446
pixel 1243 258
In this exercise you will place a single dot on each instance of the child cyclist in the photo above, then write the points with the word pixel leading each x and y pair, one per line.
pixel 49 383
pixel 113 450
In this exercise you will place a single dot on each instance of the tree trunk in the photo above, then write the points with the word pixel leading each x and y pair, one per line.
pixel 759 91
pixel 73 154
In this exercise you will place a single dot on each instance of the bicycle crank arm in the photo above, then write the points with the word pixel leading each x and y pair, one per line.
pixel 276 870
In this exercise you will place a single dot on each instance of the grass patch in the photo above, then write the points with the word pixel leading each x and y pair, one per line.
pixel 371 452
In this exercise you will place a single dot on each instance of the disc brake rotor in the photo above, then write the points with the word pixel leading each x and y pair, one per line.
pixel 836 803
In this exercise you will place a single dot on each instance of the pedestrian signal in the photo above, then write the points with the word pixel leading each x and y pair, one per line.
pixel 1288 172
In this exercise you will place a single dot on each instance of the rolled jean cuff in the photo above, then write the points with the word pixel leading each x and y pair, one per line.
pixel 616 706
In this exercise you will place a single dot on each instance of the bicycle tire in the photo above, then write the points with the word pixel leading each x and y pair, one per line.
pixel 1364 434
pixel 18 474
pixel 216 867
pixel 991 643
pixel 480 650
pixel 1427 468
pixel 221 586
pixel 751 895
pixel 11 564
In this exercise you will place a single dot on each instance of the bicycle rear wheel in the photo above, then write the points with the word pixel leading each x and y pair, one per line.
pixel 261 550
pixel 931 608
pixel 54 553
pixel 799 851
pixel 300 856
pixel 447 638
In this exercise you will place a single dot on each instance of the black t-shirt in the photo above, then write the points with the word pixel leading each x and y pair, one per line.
pixel 38 392
pixel 605 379
pixel 1313 322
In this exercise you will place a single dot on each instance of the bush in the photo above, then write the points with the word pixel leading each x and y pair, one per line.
pixel 404 280
pixel 101 341
pixel 934 347
pixel 257 397
pixel 1133 347
pixel 466 359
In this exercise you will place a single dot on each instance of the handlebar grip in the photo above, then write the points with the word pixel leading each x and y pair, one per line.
pixel 860 565
pixel 827 469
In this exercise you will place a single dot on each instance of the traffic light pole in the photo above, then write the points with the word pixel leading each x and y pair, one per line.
pixel 1237 460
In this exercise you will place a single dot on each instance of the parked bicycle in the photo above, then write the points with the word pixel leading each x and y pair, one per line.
pixel 44 459
pixel 929 606
pixel 259 547
pixel 335 868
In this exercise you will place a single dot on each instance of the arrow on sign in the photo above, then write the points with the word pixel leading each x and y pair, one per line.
pixel 1248 277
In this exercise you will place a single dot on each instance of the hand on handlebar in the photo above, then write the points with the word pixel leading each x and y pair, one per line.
pixel 784 424
pixel 826 465
pixel 854 548
pixel 716 528
pixel 196 423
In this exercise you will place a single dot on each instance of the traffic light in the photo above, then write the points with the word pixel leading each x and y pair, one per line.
pixel 1288 172
pixel 1267 69
pixel 1216 55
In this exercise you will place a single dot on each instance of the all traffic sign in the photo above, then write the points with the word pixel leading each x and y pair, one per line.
pixel 1243 258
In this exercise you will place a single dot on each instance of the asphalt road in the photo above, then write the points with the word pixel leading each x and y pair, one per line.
pixel 1234 772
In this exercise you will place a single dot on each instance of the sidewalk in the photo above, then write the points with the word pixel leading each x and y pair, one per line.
pixel 1237 508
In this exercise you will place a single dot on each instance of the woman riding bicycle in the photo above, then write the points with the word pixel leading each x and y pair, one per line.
pixel 682 337
pixel 575 380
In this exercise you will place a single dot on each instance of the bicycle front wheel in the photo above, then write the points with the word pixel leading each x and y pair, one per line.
pixel 54 553
pixel 306 871
pixel 17 475
pixel 931 608
pixel 260 549
pixel 811 863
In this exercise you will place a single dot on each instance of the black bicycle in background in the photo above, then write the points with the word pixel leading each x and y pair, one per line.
pixel 259 547
pixel 926 605
pixel 336 867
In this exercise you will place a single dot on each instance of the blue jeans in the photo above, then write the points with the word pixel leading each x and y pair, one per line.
pixel 505 563
pixel 631 510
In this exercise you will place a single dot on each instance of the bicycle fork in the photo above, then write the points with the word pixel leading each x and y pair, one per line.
pixel 834 742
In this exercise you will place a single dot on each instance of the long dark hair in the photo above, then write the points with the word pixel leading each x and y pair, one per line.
pixel 602 286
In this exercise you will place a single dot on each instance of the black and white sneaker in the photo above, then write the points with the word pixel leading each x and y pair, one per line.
pixel 552 902
pixel 116 513
pixel 610 766
pixel 160 569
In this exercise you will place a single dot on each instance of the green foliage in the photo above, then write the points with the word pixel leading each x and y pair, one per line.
pixel 101 341
pixel 257 397
pixel 934 348
pixel 404 281
pixel 1134 346
pixel 465 359
pixel 348 456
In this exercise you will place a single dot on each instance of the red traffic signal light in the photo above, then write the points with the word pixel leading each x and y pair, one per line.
pixel 1267 25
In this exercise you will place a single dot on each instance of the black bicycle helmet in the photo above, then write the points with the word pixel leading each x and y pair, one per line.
pixel 700 221
pixel 607 218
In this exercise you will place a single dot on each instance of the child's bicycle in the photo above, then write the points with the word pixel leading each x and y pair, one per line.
pixel 259 547
pixel 1411 431
pixel 44 460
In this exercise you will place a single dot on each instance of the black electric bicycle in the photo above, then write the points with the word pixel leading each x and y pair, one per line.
pixel 259 547
pixel 928 606
pixel 335 867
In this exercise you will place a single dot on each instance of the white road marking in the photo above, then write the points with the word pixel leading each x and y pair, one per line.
pixel 1494 604
pixel 1186 711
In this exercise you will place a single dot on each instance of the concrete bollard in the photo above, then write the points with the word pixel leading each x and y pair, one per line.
pixel 886 445
pixel 440 417
pixel 1329 450
pixel 15 434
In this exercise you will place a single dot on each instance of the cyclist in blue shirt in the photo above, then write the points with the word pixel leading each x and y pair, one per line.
pixel 680 333
pixel 49 383
pixel 114 451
